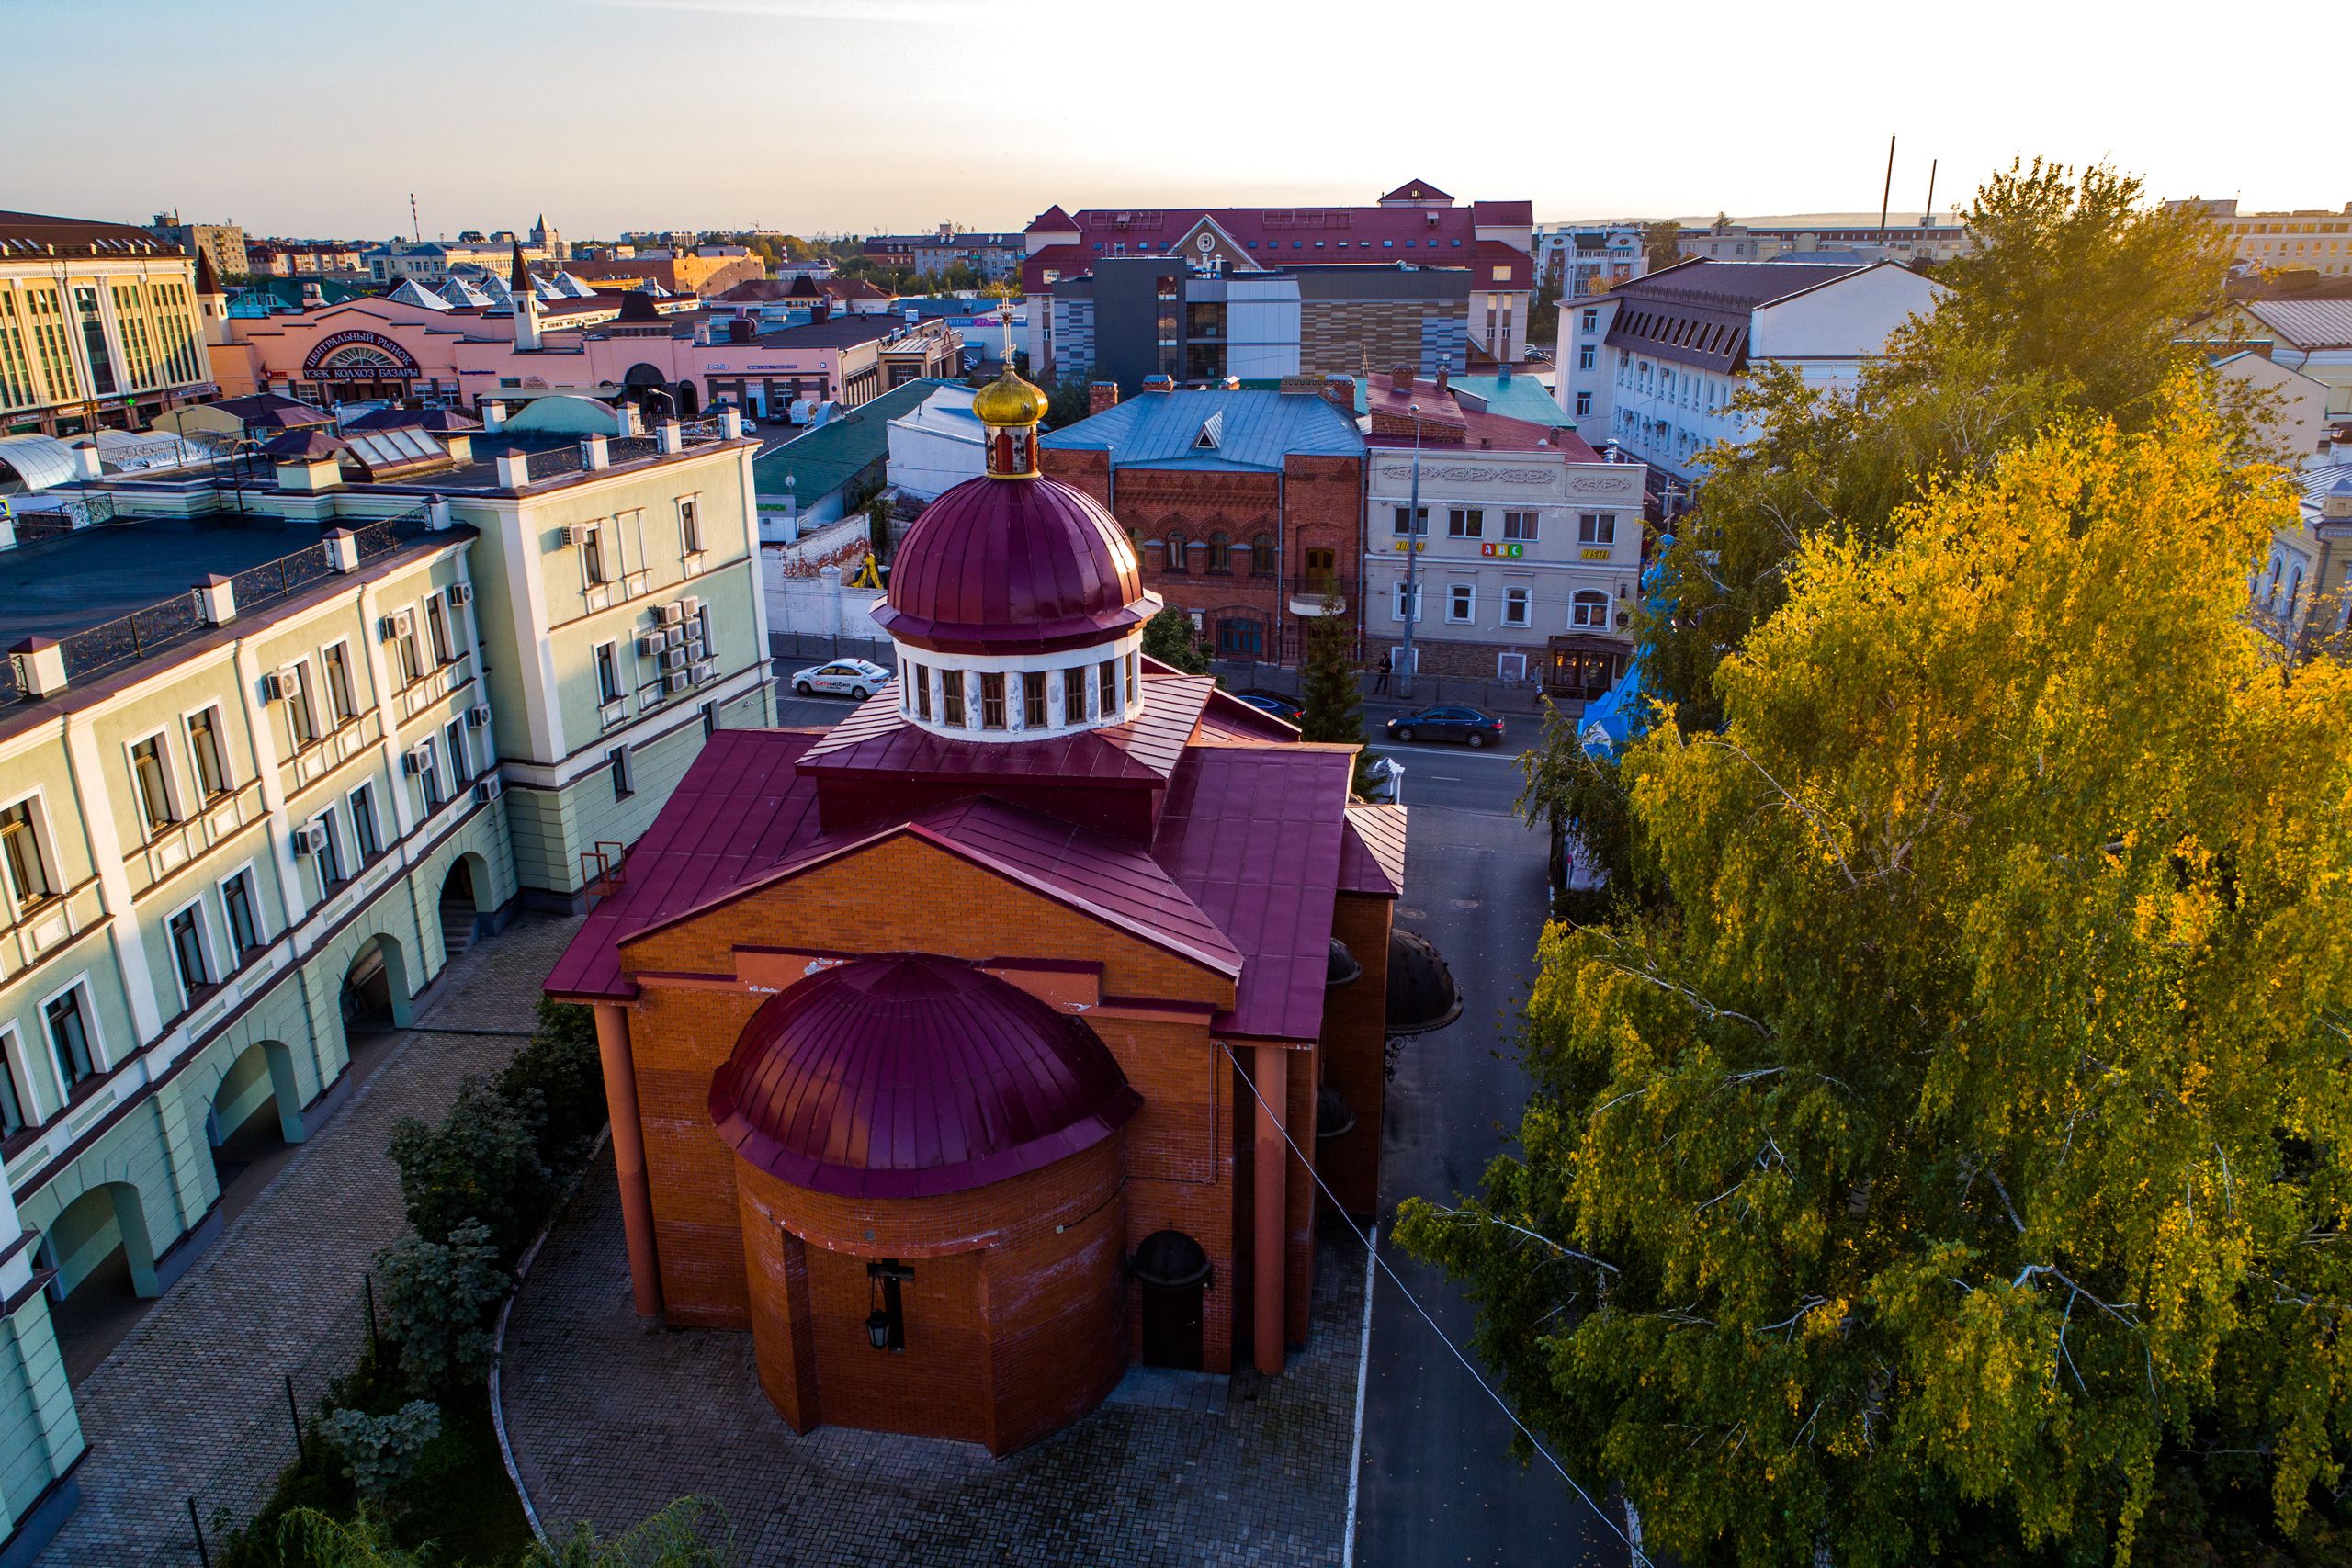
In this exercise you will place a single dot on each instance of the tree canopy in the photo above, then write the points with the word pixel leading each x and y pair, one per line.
pixel 1952 1163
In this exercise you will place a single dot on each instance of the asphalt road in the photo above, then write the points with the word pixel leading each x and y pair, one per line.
pixel 1438 1484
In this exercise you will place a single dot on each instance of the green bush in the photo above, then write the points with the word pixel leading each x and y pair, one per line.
pixel 561 1065
pixel 379 1452
pixel 690 1532
pixel 482 1163
pixel 439 1297
pixel 1171 638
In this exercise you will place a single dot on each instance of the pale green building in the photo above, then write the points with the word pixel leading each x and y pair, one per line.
pixel 269 754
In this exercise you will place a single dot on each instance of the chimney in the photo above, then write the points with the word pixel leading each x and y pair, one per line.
pixel 514 471
pixel 215 600
pixel 1101 395
pixel 672 435
pixel 493 415
pixel 1159 383
pixel 822 311
pixel 594 454
pixel 1340 391
pixel 1440 380
pixel 1400 378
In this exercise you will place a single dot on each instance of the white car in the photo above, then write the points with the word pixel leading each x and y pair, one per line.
pixel 843 677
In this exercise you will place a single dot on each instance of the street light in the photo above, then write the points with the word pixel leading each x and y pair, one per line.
pixel 1413 540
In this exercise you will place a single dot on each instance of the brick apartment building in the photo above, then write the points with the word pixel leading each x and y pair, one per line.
pixel 1245 507
pixel 965 1053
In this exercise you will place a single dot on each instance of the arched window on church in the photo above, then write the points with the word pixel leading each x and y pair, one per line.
pixel 1179 559
pixel 1261 556
pixel 1220 552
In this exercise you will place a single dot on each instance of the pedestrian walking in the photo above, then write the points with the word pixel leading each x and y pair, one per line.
pixel 1380 678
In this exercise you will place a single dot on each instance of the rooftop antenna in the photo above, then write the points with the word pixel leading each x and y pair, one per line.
pixel 1887 193
pixel 414 227
pixel 1927 213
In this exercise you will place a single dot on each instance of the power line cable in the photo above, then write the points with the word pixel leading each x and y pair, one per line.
pixel 1640 1559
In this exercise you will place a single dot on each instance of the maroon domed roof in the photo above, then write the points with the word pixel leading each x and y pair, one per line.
pixel 911 1075
pixel 1013 565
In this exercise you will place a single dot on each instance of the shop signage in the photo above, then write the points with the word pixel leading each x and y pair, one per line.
pixel 1508 552
pixel 1404 546
pixel 357 356
pixel 1590 554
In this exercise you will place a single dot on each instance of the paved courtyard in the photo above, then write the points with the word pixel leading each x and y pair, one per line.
pixel 193 1402
pixel 610 1420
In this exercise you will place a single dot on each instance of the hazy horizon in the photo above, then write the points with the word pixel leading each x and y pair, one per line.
pixel 320 120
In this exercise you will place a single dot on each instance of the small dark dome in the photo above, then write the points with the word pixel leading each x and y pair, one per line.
pixel 910 1076
pixel 1340 967
pixel 1171 1257
pixel 1010 566
pixel 1421 993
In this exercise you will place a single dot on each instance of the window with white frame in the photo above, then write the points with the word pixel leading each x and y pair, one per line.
pixel 461 771
pixel 326 853
pixel 1588 320
pixel 335 661
pixel 406 654
pixel 15 1109
pixel 31 882
pixel 1596 528
pixel 1465 523
pixel 1519 528
pixel 244 911
pixel 593 568
pixel 1408 603
pixel 690 524
pixel 366 836
pixel 1417 524
pixel 71 1038
pixel 1584 403
pixel 1515 607
pixel 1461 603
pixel 437 626
pixel 1588 609
pixel 153 782
pixel 186 930
pixel 616 762
pixel 608 674
pixel 206 754
pixel 428 773
pixel 1585 355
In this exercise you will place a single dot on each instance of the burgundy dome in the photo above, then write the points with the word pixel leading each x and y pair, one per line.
pixel 911 1075
pixel 1013 566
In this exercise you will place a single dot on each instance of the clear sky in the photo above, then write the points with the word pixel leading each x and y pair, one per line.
pixel 321 117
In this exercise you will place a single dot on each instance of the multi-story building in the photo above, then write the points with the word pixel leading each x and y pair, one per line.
pixel 1855 238
pixel 302 258
pixel 2313 336
pixel 99 326
pixel 2310 238
pixel 1247 507
pixel 2302 594
pixel 991 256
pixel 707 270
pixel 241 817
pixel 1586 258
pixel 224 242
pixel 1528 543
pixel 1652 366
pixel 431 261
pixel 1128 317
pixel 1416 224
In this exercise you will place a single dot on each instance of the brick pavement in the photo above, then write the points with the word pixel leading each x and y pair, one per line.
pixel 193 1402
pixel 611 1419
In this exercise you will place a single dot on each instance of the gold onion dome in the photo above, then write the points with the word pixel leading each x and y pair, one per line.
pixel 1008 400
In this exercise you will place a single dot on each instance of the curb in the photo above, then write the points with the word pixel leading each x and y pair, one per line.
pixel 497 1336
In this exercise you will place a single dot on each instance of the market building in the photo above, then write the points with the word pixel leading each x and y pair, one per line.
pixel 1529 542
pixel 273 751
pixel 972 1051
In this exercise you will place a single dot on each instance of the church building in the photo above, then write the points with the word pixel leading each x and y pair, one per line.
pixel 976 1050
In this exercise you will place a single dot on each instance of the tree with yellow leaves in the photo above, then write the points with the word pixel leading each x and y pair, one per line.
pixel 1954 1165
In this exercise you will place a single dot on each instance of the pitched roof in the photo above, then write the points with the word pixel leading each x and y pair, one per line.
pixel 1271 236
pixel 831 455
pixel 1373 858
pixel 1488 214
pixel 1254 835
pixel 1052 220
pixel 1252 431
pixel 2306 323
pixel 742 806
pixel 1416 190
pixel 32 233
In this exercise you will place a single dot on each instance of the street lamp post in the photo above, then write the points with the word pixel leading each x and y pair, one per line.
pixel 1413 542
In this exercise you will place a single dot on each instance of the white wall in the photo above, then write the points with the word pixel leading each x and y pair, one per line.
pixel 1846 320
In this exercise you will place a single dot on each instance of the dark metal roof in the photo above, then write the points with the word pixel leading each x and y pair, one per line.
pixel 272 411
pixel 1007 565
pixel 912 1076
pixel 40 234
pixel 1422 996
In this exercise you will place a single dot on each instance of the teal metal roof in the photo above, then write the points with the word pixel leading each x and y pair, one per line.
pixel 1231 432
pixel 1513 396
pixel 837 451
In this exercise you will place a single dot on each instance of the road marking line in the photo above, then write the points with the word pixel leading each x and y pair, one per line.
pixel 1364 1365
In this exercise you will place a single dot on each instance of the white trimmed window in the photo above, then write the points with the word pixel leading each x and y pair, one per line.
pixel 1461 603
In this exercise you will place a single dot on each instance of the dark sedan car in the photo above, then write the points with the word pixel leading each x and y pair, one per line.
pixel 1282 707
pixel 1468 725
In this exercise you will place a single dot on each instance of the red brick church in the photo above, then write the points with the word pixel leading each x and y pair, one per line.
pixel 963 1053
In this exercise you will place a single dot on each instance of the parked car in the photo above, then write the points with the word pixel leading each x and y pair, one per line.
pixel 1469 726
pixel 1282 707
pixel 853 678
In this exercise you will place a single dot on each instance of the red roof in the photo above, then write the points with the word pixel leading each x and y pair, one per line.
pixel 742 808
pixel 1498 214
pixel 1053 220
pixel 1279 236
pixel 1416 190
pixel 1013 565
pixel 1254 835
pixel 1493 253
pixel 907 1075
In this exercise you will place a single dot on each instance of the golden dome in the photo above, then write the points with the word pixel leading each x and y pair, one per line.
pixel 1008 400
